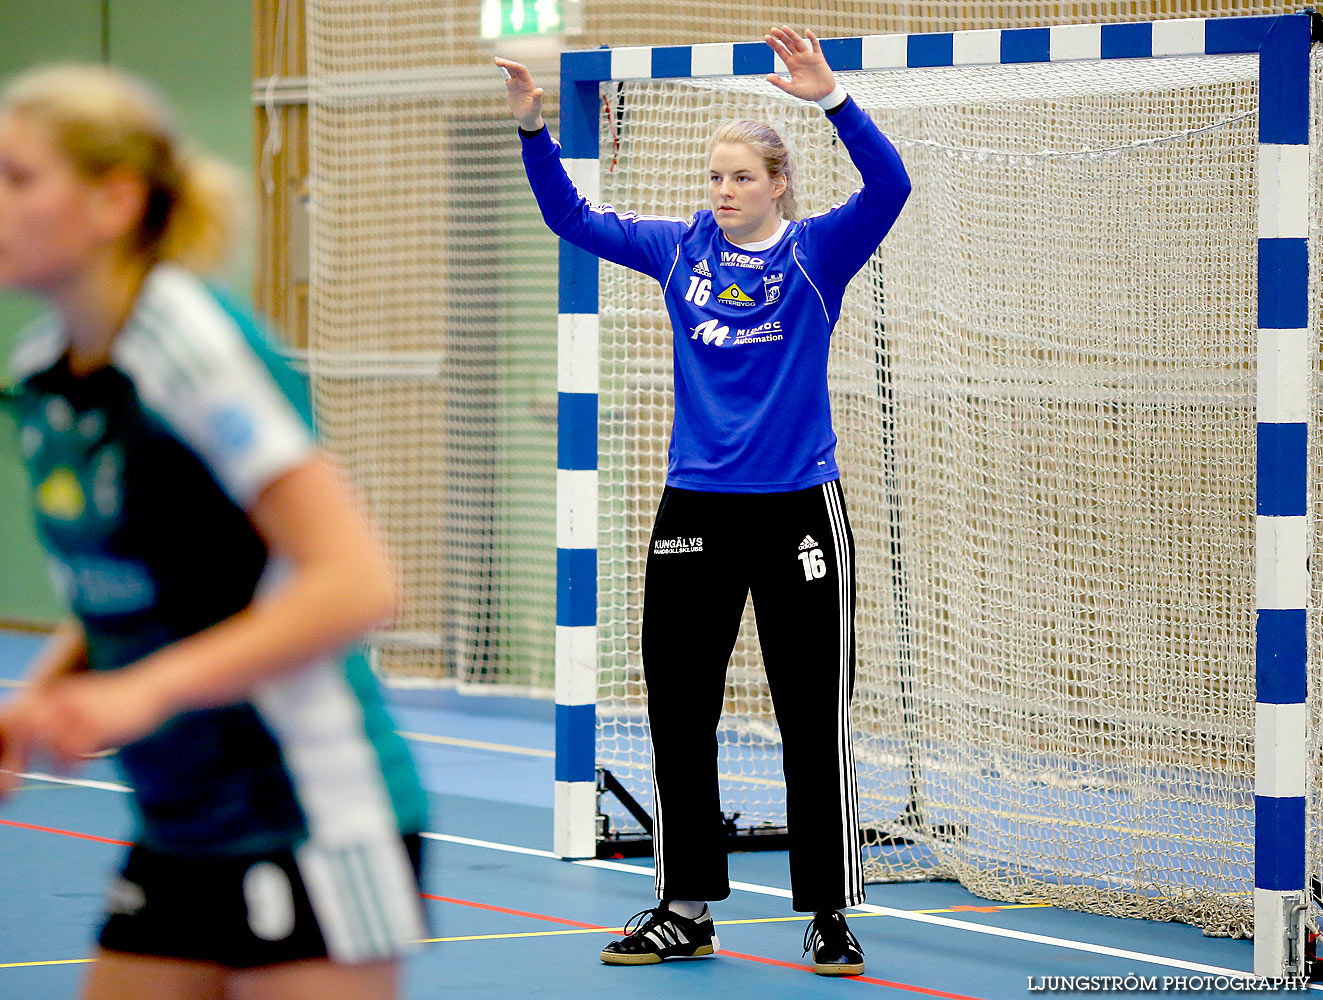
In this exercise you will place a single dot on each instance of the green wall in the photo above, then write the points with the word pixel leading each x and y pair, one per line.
pixel 200 55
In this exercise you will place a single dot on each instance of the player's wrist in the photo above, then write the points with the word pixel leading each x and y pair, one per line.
pixel 833 100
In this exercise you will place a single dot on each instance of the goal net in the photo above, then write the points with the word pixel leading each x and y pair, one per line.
pixel 1044 388
pixel 431 352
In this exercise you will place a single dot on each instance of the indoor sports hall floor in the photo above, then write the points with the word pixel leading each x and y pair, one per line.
pixel 510 920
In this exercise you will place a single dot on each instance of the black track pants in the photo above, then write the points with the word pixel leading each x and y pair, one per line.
pixel 796 553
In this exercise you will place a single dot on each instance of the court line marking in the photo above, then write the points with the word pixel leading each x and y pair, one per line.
pixel 766 890
pixel 64 833
pixel 104 786
pixel 579 924
pixel 595 929
pixel 582 928
pixel 579 928
pixel 885 911
pixel 585 928
pixel 907 987
pixel 456 741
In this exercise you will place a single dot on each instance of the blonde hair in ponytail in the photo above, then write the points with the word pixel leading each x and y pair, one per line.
pixel 103 119
pixel 767 143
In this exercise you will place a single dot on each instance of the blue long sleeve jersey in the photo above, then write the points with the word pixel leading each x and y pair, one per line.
pixel 751 322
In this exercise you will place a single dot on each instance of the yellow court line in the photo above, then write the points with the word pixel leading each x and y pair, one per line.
pixel 4 683
pixel 455 741
pixel 720 923
pixel 577 930
pixel 525 934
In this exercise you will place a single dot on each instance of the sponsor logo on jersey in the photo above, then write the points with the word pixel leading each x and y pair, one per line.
pixel 30 440
pixel 231 430
pixel 676 546
pixel 736 296
pixel 59 414
pixel 91 425
pixel 807 543
pixel 765 333
pixel 702 268
pixel 712 332
pixel 106 586
pixel 771 326
pixel 61 495
pixel 729 258
pixel 106 492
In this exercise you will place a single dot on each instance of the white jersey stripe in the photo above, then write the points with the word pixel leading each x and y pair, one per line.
pixel 357 870
pixel 40 345
pixel 601 208
pixel 375 924
pixel 672 270
pixel 210 389
pixel 794 252
pixel 364 896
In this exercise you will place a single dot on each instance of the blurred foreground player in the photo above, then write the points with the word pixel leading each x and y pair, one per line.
pixel 218 569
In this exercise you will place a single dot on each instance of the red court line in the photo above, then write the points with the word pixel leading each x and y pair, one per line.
pixel 64 833
pixel 862 979
pixel 517 913
pixel 925 991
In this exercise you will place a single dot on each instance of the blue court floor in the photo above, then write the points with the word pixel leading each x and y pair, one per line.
pixel 509 920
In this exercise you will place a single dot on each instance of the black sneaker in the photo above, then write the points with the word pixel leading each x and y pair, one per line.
pixel 652 935
pixel 836 951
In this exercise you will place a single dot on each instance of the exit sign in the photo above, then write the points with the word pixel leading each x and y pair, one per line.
pixel 521 18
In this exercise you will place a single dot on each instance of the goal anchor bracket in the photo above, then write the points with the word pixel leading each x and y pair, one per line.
pixel 612 845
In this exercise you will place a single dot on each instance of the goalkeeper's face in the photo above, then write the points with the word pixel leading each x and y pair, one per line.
pixel 744 195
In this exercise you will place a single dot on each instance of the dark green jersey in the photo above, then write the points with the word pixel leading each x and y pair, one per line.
pixel 141 474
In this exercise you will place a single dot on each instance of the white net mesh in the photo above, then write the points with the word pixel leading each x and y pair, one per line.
pixel 1043 385
pixel 431 344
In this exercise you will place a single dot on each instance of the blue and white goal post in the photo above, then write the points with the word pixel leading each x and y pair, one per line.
pixel 1283 524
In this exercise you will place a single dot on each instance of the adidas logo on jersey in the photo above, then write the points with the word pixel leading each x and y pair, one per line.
pixel 702 268
pixel 807 543
pixel 735 296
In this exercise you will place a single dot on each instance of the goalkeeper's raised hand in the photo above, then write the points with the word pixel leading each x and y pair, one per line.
pixel 525 97
pixel 810 77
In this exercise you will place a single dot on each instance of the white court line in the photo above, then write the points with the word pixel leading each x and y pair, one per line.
pixel 105 786
pixel 768 890
pixel 456 741
pixel 491 846
pixel 887 911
